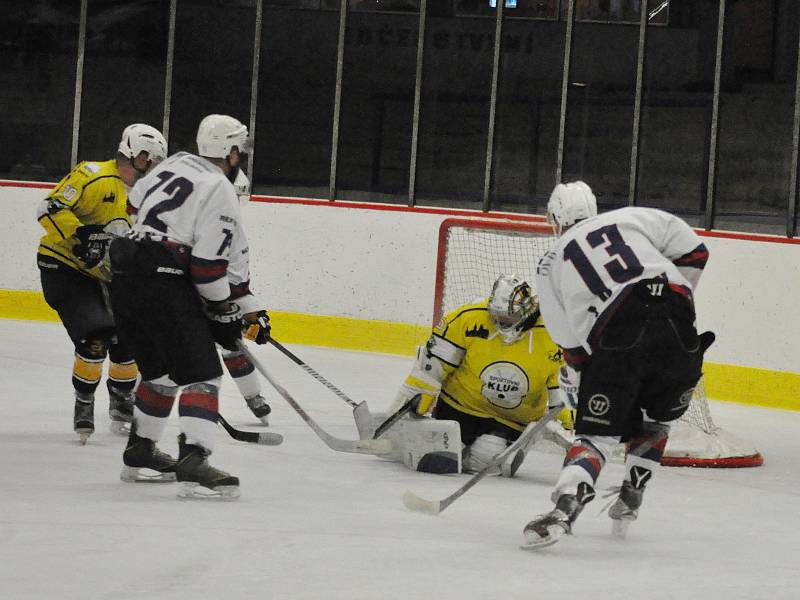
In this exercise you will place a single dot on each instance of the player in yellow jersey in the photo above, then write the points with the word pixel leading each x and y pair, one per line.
pixel 492 367
pixel 89 203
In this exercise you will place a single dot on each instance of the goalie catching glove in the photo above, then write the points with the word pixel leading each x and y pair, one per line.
pixel 225 322
pixel 92 245
pixel 256 326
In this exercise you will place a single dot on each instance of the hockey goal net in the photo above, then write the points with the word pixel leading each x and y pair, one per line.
pixel 472 253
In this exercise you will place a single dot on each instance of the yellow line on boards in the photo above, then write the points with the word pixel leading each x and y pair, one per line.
pixel 745 385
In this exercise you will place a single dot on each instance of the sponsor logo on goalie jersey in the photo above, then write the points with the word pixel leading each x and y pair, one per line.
pixel 505 384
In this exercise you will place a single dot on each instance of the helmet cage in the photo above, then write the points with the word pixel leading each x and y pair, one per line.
pixel 511 303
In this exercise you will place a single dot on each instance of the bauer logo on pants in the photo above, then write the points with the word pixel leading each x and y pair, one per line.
pixel 599 405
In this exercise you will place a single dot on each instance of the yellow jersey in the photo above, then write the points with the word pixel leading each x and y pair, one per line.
pixel 507 382
pixel 93 193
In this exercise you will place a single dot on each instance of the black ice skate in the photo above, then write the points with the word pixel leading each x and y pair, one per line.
pixel 83 421
pixel 259 408
pixel 626 507
pixel 145 462
pixel 547 529
pixel 198 479
pixel 120 409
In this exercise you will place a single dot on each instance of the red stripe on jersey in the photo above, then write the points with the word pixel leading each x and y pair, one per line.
pixel 206 271
pixel 697 258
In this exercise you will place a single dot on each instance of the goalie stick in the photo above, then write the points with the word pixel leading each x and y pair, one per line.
pixel 251 437
pixel 334 443
pixel 394 418
pixel 361 413
pixel 434 507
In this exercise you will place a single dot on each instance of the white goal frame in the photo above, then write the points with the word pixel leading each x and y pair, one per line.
pixel 467 264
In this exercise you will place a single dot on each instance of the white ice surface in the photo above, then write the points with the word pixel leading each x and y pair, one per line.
pixel 313 523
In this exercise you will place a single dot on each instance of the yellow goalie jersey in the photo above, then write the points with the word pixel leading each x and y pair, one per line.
pixel 92 194
pixel 487 378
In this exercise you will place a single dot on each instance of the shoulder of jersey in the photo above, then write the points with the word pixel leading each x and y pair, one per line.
pixel 93 169
pixel 470 316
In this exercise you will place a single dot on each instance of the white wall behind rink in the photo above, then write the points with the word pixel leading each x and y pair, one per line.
pixel 375 264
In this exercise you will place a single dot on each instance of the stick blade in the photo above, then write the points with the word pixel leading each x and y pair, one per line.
pixel 413 502
pixel 363 419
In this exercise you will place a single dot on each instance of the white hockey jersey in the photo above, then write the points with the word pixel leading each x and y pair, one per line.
pixel 580 278
pixel 187 202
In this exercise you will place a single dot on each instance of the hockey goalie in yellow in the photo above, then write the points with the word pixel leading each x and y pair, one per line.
pixel 491 366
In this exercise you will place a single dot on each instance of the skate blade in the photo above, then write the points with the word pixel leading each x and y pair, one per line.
pixel 619 528
pixel 83 436
pixel 190 490
pixel 144 475
pixel 264 421
pixel 535 542
pixel 120 427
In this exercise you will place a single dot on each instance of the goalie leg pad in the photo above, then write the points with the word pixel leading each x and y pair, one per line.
pixel 414 439
pixel 483 450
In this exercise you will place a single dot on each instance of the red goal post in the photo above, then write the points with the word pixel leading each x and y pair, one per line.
pixel 473 252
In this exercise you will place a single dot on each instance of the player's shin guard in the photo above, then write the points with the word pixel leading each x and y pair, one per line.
pixel 154 400
pixel 246 379
pixel 644 457
pixel 198 409
pixel 121 381
pixel 86 372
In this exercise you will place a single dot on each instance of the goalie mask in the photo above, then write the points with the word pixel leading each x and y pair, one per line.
pixel 512 305
pixel 570 203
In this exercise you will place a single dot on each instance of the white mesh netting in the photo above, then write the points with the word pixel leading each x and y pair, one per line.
pixel 472 253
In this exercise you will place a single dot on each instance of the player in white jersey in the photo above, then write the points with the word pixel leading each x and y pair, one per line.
pixel 616 293
pixel 256 319
pixel 171 292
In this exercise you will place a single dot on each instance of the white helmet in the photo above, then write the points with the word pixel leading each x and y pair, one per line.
pixel 242 186
pixel 570 203
pixel 512 304
pixel 218 134
pixel 138 138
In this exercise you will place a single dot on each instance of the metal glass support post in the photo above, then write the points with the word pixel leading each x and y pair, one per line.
pixel 562 124
pixel 498 49
pixel 337 99
pixel 173 12
pixel 254 84
pixel 791 216
pixel 76 107
pixel 712 153
pixel 633 182
pixel 412 174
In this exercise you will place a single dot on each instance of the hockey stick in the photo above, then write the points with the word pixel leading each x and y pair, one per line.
pixel 394 418
pixel 434 507
pixel 252 437
pixel 334 443
pixel 361 413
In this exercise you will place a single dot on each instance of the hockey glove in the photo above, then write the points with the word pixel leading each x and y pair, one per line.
pixel 569 380
pixel 92 244
pixel 257 327
pixel 225 321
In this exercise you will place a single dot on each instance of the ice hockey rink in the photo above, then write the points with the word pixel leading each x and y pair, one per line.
pixel 314 523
